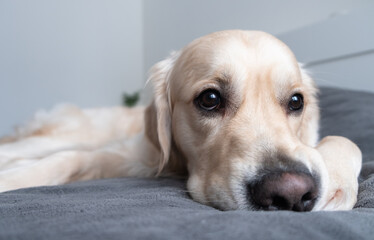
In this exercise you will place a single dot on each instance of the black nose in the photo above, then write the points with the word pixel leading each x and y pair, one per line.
pixel 284 191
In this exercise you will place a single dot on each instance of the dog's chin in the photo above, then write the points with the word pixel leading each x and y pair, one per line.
pixel 215 195
pixel 247 204
pixel 219 196
pixel 239 196
pixel 227 202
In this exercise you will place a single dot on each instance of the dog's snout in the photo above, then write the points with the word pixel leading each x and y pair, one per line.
pixel 296 191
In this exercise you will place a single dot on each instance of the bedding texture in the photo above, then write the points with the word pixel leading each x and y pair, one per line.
pixel 133 208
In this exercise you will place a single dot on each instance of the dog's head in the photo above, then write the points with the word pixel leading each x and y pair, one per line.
pixel 238 111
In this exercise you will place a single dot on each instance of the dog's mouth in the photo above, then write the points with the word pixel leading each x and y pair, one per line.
pixel 290 185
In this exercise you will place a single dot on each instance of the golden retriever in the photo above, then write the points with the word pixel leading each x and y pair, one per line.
pixel 233 111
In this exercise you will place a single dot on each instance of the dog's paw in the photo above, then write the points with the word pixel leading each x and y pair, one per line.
pixel 343 162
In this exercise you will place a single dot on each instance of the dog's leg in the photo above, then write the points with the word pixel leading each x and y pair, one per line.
pixel 70 128
pixel 32 147
pixel 135 157
pixel 343 161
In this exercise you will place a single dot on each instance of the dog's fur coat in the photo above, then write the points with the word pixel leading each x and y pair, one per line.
pixel 225 152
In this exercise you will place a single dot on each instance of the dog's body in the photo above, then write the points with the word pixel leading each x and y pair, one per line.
pixel 232 110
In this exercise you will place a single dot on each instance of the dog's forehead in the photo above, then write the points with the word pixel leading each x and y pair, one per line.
pixel 251 50
pixel 243 56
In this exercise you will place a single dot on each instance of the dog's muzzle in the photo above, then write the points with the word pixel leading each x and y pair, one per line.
pixel 284 189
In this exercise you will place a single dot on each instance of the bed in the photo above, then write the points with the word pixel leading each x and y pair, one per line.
pixel 135 208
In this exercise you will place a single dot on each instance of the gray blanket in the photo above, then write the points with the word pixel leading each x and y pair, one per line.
pixel 134 208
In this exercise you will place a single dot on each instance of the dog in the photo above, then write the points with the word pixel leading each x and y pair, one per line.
pixel 233 111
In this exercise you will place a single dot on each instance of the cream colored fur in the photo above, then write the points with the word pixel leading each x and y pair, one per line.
pixel 172 137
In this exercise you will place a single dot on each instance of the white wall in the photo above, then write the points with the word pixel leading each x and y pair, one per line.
pixel 87 52
pixel 170 24
pixel 338 52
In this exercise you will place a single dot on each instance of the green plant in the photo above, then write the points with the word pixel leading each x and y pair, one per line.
pixel 130 100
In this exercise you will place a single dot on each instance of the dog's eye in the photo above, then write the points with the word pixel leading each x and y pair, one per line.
pixel 209 99
pixel 296 102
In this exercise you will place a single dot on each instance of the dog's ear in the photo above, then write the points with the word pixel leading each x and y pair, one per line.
pixel 308 131
pixel 158 113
